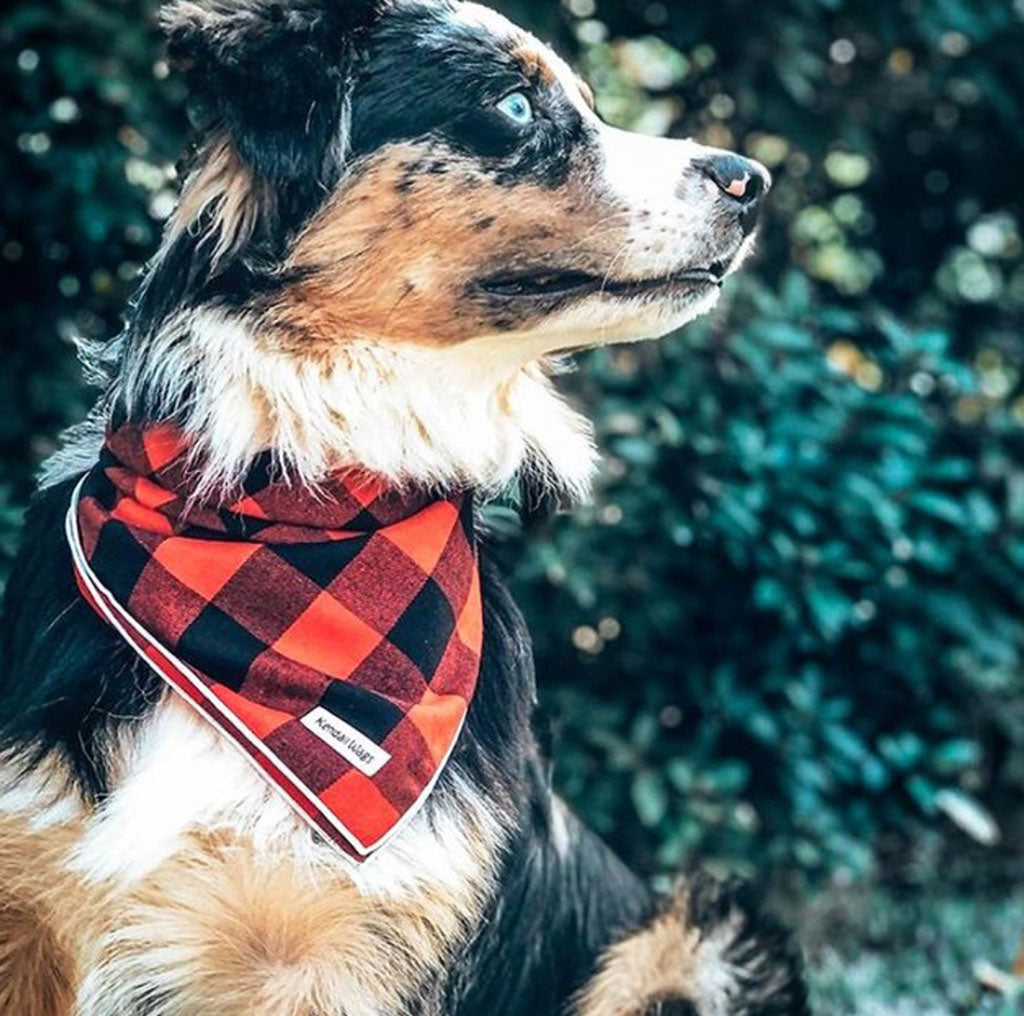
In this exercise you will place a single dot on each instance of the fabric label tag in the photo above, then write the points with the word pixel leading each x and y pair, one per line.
pixel 366 755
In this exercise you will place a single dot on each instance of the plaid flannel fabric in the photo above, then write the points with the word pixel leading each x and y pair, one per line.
pixel 334 637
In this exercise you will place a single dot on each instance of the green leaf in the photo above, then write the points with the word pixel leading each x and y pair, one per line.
pixel 939 506
pixel 650 797
pixel 830 608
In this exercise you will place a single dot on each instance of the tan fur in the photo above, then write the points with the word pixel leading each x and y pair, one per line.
pixel 533 57
pixel 657 964
pixel 539 64
pixel 588 93
pixel 224 186
pixel 34 977
pixel 43 911
pixel 219 927
pixel 394 254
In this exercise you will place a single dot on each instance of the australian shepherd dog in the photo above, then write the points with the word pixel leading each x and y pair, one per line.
pixel 395 213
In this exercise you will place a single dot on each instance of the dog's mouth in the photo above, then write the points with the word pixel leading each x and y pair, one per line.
pixel 553 283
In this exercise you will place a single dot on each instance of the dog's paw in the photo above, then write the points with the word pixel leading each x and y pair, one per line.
pixel 708 952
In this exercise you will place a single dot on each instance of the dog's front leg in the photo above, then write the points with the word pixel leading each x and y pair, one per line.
pixel 706 952
pixel 573 932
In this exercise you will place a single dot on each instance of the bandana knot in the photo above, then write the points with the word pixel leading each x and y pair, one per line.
pixel 334 636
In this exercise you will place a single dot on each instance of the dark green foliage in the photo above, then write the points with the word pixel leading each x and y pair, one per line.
pixel 798 601
pixel 881 953
pixel 90 122
pixel 789 629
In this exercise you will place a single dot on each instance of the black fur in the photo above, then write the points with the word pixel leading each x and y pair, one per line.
pixel 67 682
pixel 278 86
pixel 274 78
pixel 424 74
pixel 273 75
pixel 552 918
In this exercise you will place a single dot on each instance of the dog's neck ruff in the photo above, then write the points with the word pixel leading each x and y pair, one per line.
pixel 334 636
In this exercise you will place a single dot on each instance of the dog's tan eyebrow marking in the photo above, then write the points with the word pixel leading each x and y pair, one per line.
pixel 534 64
pixel 538 68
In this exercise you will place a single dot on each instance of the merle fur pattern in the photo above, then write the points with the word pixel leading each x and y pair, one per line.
pixel 415 51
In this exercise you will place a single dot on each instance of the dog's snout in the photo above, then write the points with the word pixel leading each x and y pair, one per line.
pixel 742 180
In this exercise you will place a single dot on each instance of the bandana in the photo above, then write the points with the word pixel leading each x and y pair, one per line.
pixel 333 635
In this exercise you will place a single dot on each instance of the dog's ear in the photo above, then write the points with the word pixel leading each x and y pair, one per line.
pixel 271 81
pixel 272 75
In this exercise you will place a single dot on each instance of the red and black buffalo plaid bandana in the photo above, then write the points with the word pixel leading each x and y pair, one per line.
pixel 334 636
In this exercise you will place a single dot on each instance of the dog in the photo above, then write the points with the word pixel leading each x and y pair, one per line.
pixel 395 215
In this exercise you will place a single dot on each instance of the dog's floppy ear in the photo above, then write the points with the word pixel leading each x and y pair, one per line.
pixel 271 74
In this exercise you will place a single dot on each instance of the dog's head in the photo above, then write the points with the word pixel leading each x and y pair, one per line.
pixel 404 182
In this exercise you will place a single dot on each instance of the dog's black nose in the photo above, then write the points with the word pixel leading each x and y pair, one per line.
pixel 744 181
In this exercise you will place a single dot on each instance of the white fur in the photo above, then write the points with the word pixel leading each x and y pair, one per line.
pixel 716 981
pixel 79 448
pixel 561 818
pixel 677 218
pixel 465 415
pixel 40 791
pixel 179 777
pixel 180 774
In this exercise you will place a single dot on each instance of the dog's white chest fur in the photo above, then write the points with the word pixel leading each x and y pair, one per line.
pixel 182 775
pixel 200 887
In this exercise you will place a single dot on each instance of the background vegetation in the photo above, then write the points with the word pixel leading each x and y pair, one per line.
pixel 788 633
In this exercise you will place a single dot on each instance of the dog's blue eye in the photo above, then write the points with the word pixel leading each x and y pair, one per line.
pixel 518 108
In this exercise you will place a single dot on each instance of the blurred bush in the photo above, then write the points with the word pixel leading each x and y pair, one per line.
pixel 789 627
